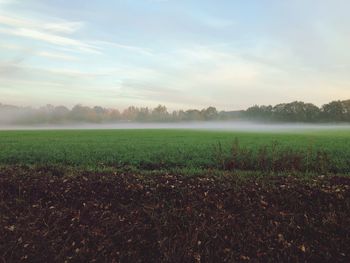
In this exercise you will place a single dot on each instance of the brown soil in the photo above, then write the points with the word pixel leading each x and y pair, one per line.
pixel 110 217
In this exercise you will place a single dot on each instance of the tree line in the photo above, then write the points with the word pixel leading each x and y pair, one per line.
pixel 335 111
pixel 298 111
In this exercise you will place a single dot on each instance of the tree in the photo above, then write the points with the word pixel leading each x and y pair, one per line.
pixel 60 114
pixel 346 110
pixel 114 115
pixel 131 113
pixel 209 114
pixel 144 114
pixel 193 115
pixel 81 113
pixel 259 112
pixel 312 112
pixel 160 113
pixel 333 111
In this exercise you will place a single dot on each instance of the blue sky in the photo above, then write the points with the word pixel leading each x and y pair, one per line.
pixel 181 53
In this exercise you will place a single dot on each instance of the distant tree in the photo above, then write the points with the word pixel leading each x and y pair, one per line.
pixel 333 111
pixel 60 114
pixel 99 110
pixel 81 113
pixel 144 114
pixel 193 115
pixel 174 116
pixel 259 112
pixel 61 110
pixel 231 115
pixel 160 113
pixel 209 114
pixel 131 113
pixel 181 115
pixel 114 115
pixel 98 114
pixel 346 110
pixel 312 112
pixel 296 111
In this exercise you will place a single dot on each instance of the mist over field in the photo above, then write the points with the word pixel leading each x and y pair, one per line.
pixel 295 112
pixel 247 126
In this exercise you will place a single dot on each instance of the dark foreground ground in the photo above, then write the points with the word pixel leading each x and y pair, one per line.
pixel 50 216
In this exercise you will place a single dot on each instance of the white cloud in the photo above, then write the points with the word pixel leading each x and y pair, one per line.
pixel 57 26
pixel 47 31
pixel 64 27
pixel 292 54
pixel 52 39
pixel 41 53
pixel 56 55
pixel 134 49
pixel 201 76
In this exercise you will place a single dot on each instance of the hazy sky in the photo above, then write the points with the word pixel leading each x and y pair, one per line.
pixel 182 53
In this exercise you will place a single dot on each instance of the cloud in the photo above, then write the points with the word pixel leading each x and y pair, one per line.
pixel 58 26
pixel 56 55
pixel 64 27
pixel 130 48
pixel 203 75
pixel 33 52
pixel 52 39
pixel 248 53
pixel 46 31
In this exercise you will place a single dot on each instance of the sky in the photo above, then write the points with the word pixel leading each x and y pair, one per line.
pixel 180 53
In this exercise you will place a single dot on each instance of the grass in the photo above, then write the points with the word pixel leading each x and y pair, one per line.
pixel 162 149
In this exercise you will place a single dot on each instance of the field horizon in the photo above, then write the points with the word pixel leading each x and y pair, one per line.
pixel 216 125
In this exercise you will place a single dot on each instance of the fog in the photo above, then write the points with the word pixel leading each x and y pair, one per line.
pixel 244 126
pixel 288 117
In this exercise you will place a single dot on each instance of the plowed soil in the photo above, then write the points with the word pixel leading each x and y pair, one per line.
pixel 46 216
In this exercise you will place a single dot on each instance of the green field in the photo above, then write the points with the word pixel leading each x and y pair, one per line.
pixel 158 149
